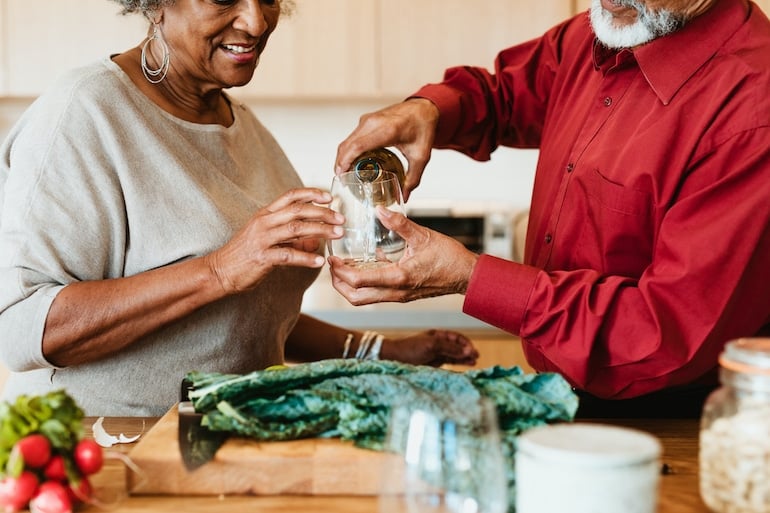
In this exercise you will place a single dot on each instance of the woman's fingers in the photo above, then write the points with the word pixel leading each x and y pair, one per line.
pixel 287 232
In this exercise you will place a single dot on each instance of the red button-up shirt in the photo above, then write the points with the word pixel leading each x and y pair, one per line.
pixel 649 239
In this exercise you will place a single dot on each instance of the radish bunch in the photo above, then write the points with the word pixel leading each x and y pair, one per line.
pixel 45 462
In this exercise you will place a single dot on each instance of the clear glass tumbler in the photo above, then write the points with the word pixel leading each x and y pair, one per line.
pixel 366 242
pixel 451 462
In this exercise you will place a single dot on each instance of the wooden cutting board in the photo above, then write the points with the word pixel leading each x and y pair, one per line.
pixel 244 467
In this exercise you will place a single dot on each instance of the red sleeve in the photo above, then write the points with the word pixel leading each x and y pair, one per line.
pixel 498 292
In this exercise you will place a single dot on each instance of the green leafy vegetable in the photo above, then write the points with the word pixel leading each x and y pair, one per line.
pixel 351 399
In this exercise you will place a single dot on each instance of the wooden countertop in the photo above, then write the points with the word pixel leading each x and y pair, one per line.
pixel 678 489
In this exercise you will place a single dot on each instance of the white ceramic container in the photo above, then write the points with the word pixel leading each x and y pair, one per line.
pixel 587 468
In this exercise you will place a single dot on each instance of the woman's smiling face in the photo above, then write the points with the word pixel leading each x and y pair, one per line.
pixel 216 44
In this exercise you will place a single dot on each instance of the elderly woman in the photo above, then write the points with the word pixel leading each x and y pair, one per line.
pixel 150 225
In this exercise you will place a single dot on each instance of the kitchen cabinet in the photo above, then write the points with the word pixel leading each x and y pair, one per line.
pixel 330 49
pixel 496 348
pixel 2 48
pixel 582 5
pixel 387 48
pixel 419 40
pixel 326 49
pixel 42 39
pixel 323 49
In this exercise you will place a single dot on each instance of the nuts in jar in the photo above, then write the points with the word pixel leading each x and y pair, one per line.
pixel 735 431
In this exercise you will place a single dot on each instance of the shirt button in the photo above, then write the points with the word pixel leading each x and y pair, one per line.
pixel 548 238
pixel 570 167
pixel 607 101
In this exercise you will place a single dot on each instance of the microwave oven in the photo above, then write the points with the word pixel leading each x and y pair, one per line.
pixel 497 231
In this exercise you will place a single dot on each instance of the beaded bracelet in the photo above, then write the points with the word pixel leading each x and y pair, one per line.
pixel 348 340
pixel 374 354
pixel 368 347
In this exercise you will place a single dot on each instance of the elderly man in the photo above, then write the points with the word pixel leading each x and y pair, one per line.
pixel 648 245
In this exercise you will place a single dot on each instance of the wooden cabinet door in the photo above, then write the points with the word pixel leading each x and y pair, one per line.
pixel 45 38
pixel 420 40
pixel 582 5
pixel 3 63
pixel 325 49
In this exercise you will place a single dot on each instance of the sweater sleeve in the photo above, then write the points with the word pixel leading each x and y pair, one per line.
pixel 59 205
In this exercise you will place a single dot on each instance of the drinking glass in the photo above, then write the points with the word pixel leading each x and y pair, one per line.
pixel 366 242
pixel 449 462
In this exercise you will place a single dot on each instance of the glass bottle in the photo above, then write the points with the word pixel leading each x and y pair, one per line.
pixel 369 165
pixel 735 431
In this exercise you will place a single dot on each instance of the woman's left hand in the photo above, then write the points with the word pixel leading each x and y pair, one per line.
pixel 432 347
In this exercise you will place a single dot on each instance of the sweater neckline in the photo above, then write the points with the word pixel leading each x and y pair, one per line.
pixel 136 93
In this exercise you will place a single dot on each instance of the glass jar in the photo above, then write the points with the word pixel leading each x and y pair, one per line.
pixel 735 431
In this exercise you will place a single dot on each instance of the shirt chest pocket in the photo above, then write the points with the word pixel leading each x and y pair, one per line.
pixel 615 223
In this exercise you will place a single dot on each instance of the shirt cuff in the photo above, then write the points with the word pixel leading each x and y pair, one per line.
pixel 446 100
pixel 498 292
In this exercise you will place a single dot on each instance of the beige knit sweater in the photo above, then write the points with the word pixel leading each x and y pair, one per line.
pixel 97 182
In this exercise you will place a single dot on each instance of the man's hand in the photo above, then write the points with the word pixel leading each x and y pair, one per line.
pixel 433 265
pixel 410 126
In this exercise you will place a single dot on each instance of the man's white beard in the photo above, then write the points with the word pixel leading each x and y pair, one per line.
pixel 648 25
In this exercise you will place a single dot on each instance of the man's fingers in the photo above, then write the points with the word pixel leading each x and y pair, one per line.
pixel 410 231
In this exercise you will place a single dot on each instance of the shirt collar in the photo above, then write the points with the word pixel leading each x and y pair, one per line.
pixel 668 62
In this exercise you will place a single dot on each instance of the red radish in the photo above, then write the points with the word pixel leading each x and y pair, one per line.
pixel 51 497
pixel 55 469
pixel 34 449
pixel 88 457
pixel 80 491
pixel 15 492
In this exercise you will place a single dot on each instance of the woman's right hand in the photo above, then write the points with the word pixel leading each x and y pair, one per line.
pixel 287 232
pixel 410 126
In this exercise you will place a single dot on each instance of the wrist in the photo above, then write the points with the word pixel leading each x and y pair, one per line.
pixel 429 111
pixel 467 271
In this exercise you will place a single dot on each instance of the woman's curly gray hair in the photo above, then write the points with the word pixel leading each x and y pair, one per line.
pixel 148 7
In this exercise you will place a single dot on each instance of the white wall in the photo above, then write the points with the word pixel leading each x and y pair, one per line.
pixel 3 376
pixel 310 132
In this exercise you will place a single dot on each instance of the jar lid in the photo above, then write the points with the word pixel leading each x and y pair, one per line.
pixel 749 355
pixel 589 445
